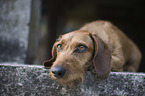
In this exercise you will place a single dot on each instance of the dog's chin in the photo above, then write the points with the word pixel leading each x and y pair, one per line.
pixel 70 80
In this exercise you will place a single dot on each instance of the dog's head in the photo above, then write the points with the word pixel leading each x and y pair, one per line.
pixel 74 53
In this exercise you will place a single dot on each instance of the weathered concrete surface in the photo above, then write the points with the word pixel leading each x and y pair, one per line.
pixel 26 80
pixel 14 29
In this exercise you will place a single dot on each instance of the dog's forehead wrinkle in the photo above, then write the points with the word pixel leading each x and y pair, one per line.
pixel 68 36
pixel 83 38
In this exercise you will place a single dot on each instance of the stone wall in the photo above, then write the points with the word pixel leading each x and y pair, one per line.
pixel 32 80
pixel 14 29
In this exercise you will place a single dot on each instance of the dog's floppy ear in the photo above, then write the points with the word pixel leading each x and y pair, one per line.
pixel 102 57
pixel 49 63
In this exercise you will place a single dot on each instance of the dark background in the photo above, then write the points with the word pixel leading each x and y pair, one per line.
pixel 61 16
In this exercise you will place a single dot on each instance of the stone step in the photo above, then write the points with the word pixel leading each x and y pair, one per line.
pixel 33 80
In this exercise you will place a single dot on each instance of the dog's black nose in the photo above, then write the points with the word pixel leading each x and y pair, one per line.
pixel 58 71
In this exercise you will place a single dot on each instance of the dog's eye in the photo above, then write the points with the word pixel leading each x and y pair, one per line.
pixel 80 48
pixel 59 47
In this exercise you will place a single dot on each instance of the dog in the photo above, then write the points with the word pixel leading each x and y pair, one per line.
pixel 99 47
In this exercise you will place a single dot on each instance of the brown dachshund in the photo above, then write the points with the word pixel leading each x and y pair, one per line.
pixel 98 46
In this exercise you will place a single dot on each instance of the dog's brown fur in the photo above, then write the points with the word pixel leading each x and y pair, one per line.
pixel 108 49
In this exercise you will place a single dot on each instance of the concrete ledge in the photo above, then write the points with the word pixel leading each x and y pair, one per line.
pixel 28 80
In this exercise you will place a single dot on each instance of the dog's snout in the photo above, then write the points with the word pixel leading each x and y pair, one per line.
pixel 58 71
